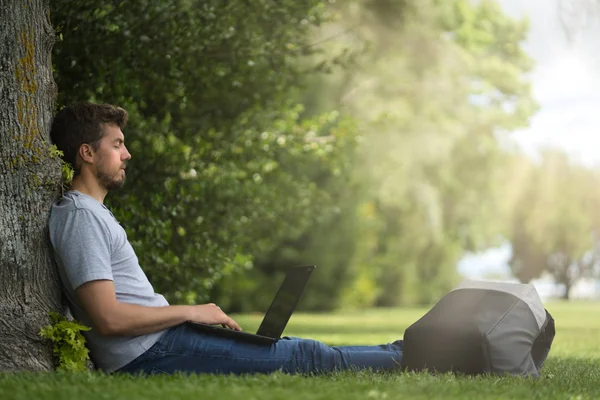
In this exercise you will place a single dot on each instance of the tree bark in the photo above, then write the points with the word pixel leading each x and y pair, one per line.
pixel 29 181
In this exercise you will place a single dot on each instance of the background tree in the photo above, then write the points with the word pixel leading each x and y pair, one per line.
pixel 556 222
pixel 527 261
pixel 29 179
pixel 434 88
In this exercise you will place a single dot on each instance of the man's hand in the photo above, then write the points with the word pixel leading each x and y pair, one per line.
pixel 213 315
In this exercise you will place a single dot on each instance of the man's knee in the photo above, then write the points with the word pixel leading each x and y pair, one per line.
pixel 312 356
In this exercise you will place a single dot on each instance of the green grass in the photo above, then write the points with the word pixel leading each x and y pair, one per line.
pixel 571 372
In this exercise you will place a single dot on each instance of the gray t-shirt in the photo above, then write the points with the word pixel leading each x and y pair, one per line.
pixel 89 245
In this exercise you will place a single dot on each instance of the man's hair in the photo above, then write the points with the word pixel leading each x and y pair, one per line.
pixel 82 123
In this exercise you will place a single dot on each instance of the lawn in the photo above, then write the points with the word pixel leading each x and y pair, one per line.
pixel 571 372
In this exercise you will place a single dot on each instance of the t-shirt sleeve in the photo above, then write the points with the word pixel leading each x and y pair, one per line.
pixel 83 246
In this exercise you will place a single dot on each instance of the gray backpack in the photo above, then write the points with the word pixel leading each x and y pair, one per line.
pixel 482 327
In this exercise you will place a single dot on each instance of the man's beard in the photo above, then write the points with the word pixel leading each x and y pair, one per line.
pixel 110 182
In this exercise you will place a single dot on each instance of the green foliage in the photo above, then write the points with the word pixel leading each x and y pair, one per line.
pixel 224 163
pixel 68 342
pixel 66 170
pixel 300 240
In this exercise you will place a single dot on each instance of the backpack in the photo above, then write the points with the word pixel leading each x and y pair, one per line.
pixel 482 328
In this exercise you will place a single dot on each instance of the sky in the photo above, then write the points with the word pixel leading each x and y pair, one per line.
pixel 566 84
pixel 566 79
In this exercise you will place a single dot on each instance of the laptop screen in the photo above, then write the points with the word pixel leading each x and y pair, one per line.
pixel 285 302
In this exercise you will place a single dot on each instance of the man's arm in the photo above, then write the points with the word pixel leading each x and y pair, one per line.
pixel 113 318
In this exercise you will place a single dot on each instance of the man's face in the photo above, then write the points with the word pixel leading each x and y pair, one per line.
pixel 112 156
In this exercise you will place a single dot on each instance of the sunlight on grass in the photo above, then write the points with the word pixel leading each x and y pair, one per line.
pixel 577 329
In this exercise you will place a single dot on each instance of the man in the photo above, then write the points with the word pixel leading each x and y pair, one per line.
pixel 135 329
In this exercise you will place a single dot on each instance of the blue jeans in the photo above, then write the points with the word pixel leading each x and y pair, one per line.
pixel 185 349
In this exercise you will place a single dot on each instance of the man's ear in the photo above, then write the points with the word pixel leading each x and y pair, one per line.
pixel 86 153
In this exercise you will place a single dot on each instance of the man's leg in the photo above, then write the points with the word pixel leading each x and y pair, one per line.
pixel 188 350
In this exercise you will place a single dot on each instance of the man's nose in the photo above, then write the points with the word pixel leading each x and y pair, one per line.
pixel 127 154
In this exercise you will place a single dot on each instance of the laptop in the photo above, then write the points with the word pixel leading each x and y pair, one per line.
pixel 278 314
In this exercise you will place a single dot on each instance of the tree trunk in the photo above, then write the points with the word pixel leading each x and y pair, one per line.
pixel 29 180
pixel 567 294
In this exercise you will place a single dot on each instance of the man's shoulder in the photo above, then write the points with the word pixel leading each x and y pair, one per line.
pixel 73 203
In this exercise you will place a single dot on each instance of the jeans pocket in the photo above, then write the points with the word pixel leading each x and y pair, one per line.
pixel 166 342
pixel 138 364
